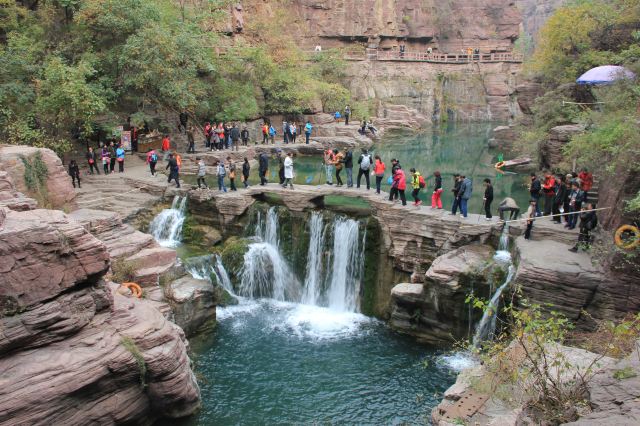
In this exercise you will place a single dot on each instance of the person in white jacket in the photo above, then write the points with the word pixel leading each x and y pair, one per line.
pixel 288 171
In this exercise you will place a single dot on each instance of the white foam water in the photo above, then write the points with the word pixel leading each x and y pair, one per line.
pixel 166 227
pixel 313 277
pixel 458 361
pixel 347 268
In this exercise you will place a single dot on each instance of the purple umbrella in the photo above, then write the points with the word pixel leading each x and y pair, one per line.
pixel 605 74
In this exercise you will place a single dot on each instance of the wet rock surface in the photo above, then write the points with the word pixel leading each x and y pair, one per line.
pixel 193 303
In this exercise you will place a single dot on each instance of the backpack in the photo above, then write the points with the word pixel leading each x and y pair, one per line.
pixel 154 157
pixel 366 162
pixel 421 182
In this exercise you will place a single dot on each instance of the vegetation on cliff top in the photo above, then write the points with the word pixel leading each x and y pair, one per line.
pixel 68 66
pixel 579 36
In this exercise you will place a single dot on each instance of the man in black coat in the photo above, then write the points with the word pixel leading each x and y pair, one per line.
pixel 348 165
pixel 588 222
pixel 174 170
pixel 263 167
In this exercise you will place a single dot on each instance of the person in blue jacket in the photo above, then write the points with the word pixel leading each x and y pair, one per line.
pixel 308 128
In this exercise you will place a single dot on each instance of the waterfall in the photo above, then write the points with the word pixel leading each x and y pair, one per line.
pixel 206 267
pixel 267 230
pixel 265 274
pixel 334 282
pixel 487 326
pixel 347 266
pixel 313 278
pixel 166 227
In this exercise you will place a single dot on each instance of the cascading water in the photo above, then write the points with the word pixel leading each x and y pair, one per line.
pixel 265 274
pixel 344 288
pixel 206 267
pixel 487 325
pixel 331 281
pixel 313 279
pixel 166 227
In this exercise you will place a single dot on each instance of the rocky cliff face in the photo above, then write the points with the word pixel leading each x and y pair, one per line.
pixel 72 349
pixel 448 25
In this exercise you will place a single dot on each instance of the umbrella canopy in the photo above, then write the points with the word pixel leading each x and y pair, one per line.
pixel 605 74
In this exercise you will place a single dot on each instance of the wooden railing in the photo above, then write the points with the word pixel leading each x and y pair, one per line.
pixel 453 58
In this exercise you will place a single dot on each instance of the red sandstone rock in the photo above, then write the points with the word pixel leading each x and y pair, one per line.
pixel 59 191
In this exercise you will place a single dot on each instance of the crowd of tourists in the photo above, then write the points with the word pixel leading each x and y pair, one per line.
pixel 563 198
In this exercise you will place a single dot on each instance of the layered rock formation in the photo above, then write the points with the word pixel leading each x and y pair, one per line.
pixel 23 164
pixel 448 26
pixel 462 92
pixel 571 283
pixel 72 350
pixel 435 311
pixel 551 150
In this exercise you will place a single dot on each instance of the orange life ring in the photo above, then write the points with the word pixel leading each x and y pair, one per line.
pixel 499 165
pixel 135 289
pixel 629 245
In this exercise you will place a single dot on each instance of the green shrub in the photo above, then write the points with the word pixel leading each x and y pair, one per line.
pixel 128 343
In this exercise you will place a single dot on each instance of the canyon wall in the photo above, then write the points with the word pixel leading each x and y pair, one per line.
pixel 447 26
pixel 441 92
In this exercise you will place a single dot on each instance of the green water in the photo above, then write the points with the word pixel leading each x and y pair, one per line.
pixel 281 363
pixel 460 148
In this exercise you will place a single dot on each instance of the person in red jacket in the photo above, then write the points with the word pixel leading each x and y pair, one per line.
pixel 399 185
pixel 549 191
pixel 586 180
pixel 166 146
pixel 378 170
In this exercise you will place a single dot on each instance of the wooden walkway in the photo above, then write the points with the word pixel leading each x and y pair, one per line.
pixel 436 58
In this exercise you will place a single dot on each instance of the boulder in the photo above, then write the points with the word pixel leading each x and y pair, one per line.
pixel 193 304
pixel 436 311
pixel 57 191
pixel 504 137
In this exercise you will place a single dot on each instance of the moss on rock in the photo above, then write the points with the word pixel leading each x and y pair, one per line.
pixel 232 255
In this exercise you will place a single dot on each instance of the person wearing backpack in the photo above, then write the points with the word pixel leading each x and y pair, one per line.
pixel 234 134
pixel 263 168
pixel 378 170
pixel 347 114
pixel 265 133
pixel 307 132
pixel 222 172
pixel 365 165
pixel 417 182
pixel 152 160
pixel 329 162
pixel 174 170
pixel 202 172
pixel 120 158
pixel 588 222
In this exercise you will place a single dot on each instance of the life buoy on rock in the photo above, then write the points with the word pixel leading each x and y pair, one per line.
pixel 499 165
pixel 627 244
pixel 134 288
